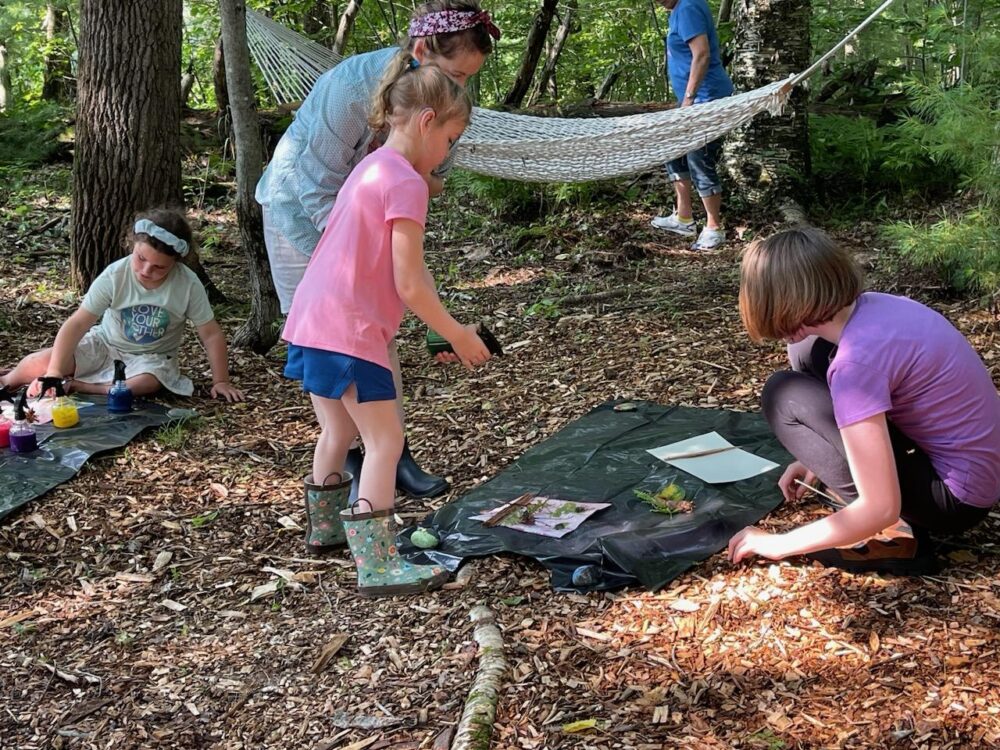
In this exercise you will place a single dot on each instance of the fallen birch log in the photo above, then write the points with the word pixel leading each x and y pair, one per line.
pixel 475 728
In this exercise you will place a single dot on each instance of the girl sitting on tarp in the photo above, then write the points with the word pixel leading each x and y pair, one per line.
pixel 136 311
pixel 886 404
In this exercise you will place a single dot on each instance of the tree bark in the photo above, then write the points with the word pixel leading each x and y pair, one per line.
pixel 346 24
pixel 767 161
pixel 533 51
pixel 56 77
pixel 128 155
pixel 259 333
pixel 562 34
pixel 219 78
pixel 320 21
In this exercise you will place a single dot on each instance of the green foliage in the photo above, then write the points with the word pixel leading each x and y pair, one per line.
pixel 32 134
pixel 965 252
pixel 176 435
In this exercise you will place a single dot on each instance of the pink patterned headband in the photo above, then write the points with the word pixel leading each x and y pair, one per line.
pixel 449 21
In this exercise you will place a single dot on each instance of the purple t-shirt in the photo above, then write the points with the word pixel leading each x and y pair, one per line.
pixel 900 357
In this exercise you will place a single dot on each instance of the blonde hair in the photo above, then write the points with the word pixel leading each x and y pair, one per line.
pixel 405 90
pixel 475 39
pixel 797 277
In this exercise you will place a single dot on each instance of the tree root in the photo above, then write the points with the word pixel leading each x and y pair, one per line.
pixel 475 728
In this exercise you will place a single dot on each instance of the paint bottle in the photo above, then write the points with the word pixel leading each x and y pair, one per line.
pixel 5 423
pixel 64 411
pixel 22 435
pixel 120 396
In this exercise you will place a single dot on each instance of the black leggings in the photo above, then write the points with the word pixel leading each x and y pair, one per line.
pixel 799 408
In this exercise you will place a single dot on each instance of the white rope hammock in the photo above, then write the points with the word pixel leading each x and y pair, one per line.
pixel 544 149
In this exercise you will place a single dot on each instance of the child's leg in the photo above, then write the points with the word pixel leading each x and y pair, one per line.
pixel 799 410
pixel 28 369
pixel 382 433
pixel 337 433
pixel 141 385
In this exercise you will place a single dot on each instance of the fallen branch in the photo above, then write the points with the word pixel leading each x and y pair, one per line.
pixel 475 728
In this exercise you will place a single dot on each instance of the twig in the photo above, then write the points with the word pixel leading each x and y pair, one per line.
pixel 475 728
pixel 521 502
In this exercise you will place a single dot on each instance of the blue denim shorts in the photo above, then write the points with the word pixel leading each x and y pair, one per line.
pixel 329 374
pixel 699 166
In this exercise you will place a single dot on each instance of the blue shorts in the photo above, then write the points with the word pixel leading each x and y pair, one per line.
pixel 329 374
pixel 699 166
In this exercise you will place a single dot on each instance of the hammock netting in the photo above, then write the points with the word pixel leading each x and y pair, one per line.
pixel 543 149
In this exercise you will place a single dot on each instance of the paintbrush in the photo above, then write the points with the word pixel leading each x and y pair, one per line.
pixel 698 454
pixel 836 503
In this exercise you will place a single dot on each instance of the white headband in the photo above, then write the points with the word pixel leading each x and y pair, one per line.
pixel 145 226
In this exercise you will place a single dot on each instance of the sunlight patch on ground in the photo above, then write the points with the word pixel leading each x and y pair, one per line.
pixel 505 277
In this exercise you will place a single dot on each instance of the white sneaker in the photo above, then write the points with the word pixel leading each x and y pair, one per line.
pixel 673 224
pixel 709 239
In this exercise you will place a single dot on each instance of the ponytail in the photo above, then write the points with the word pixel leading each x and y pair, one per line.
pixel 407 87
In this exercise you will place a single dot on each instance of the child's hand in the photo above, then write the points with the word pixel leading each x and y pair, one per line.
pixel 469 348
pixel 226 391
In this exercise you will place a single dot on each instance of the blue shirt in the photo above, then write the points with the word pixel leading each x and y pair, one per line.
pixel 327 139
pixel 688 19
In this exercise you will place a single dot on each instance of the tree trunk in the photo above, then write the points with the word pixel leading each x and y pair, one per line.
pixel 128 155
pixel 219 78
pixel 56 75
pixel 767 161
pixel 259 332
pixel 604 90
pixel 533 51
pixel 346 24
pixel 562 34
pixel 4 77
pixel 187 83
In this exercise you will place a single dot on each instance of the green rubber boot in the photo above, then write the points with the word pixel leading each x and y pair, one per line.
pixel 381 571
pixel 324 531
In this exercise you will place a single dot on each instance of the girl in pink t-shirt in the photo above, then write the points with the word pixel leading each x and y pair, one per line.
pixel 367 269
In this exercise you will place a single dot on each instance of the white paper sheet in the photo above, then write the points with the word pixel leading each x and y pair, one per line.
pixel 554 518
pixel 728 466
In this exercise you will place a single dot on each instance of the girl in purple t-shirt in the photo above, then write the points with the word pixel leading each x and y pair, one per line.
pixel 887 404
pixel 366 270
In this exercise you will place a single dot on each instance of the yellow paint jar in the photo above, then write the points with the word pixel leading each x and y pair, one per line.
pixel 65 413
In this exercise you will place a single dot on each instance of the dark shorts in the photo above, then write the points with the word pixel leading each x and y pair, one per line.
pixel 328 374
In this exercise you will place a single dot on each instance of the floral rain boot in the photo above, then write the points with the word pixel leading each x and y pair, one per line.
pixel 324 502
pixel 381 571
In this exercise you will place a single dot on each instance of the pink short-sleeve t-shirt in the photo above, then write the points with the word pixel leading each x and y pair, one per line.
pixel 347 300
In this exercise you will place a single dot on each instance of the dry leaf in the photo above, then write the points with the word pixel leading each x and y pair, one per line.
pixel 220 490
pixel 162 560
pixel 329 651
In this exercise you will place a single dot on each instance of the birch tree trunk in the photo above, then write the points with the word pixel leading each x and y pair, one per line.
pixel 533 51
pixel 346 24
pixel 767 161
pixel 4 77
pixel 259 333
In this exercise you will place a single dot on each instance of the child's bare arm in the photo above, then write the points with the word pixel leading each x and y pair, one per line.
pixel 214 341
pixel 61 363
pixel 416 288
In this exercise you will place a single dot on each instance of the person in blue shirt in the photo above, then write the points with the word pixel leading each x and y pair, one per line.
pixel 694 69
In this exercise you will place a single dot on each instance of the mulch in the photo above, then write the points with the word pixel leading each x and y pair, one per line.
pixel 162 598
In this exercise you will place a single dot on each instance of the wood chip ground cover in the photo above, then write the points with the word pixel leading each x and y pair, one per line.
pixel 161 598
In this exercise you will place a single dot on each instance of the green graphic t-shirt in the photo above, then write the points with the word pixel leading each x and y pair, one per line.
pixel 139 320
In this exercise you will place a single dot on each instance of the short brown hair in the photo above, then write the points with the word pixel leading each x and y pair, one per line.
pixel 405 90
pixel 797 277
pixel 475 39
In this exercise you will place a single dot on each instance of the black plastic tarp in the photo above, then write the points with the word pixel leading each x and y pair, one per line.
pixel 62 452
pixel 602 457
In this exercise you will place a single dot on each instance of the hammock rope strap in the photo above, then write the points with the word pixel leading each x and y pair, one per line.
pixel 545 149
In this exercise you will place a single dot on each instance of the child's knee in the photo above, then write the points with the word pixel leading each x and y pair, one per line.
pixel 144 384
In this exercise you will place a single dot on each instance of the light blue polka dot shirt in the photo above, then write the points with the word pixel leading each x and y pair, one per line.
pixel 326 140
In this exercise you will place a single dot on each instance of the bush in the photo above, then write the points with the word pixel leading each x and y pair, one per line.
pixel 33 134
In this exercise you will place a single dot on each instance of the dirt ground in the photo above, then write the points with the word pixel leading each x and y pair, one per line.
pixel 162 598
